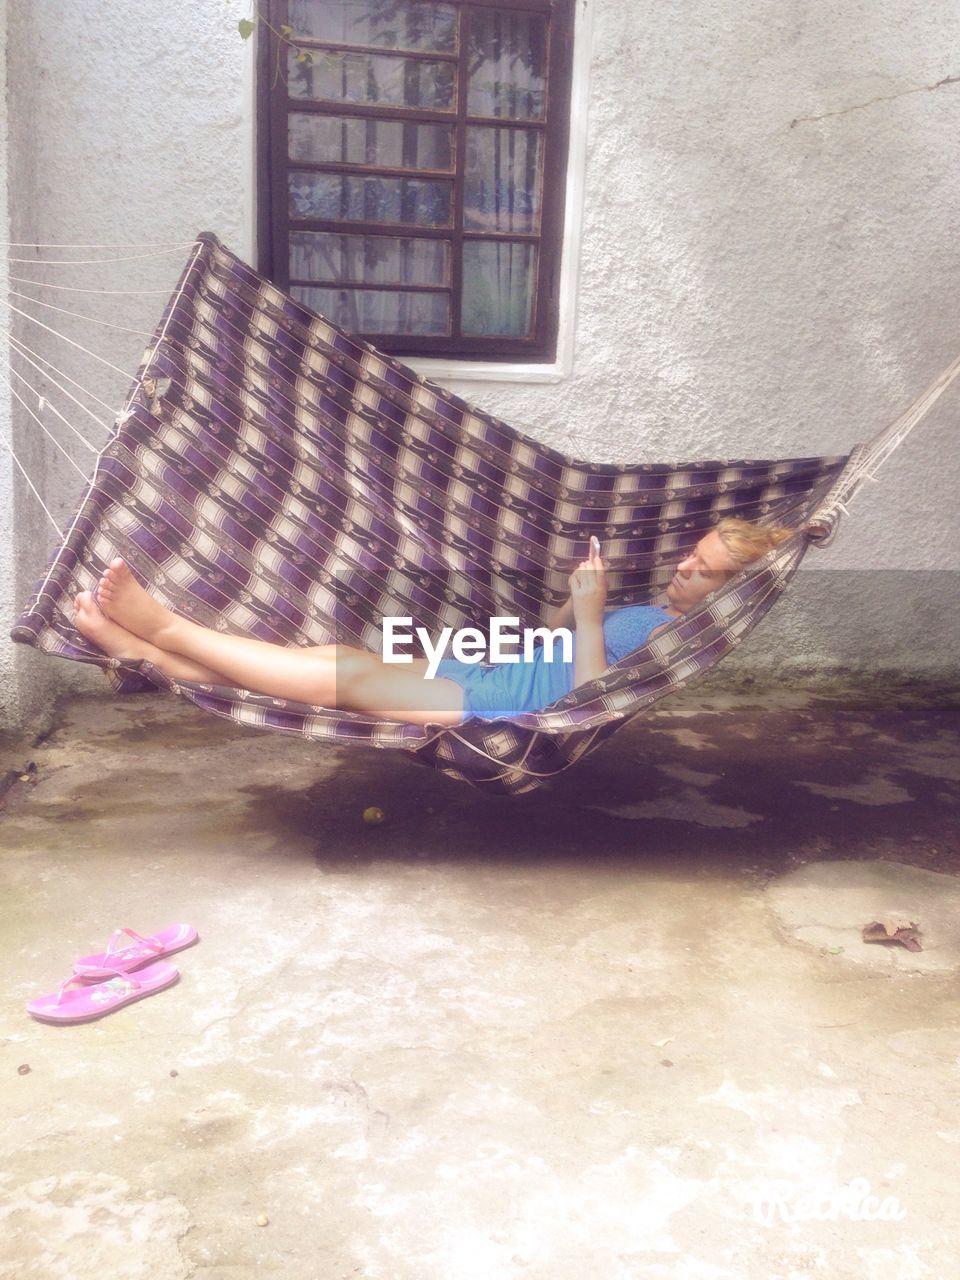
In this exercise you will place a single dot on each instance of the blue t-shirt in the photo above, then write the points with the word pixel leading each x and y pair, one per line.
pixel 510 688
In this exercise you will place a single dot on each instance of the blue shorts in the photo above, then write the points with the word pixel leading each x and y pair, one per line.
pixel 471 678
pixel 498 689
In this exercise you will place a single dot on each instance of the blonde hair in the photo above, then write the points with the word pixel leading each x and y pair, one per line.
pixel 746 541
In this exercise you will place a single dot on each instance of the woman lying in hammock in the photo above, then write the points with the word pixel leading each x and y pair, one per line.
pixel 128 623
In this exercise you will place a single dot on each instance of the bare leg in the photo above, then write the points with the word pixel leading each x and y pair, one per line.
pixel 119 643
pixel 322 675
pixel 306 675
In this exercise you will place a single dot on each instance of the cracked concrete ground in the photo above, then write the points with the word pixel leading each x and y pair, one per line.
pixel 624 1027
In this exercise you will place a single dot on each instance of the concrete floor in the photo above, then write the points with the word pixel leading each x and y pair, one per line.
pixel 622 1028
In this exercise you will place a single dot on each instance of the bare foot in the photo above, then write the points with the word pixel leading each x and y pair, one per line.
pixel 122 598
pixel 106 635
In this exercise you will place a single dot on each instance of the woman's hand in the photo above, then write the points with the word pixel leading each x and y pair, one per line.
pixel 588 589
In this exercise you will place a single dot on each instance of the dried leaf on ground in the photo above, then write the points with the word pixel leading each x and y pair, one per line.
pixel 891 929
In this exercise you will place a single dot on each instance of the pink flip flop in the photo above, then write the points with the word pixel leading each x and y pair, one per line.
pixel 141 951
pixel 86 1002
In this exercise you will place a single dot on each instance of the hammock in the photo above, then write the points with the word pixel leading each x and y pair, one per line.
pixel 272 475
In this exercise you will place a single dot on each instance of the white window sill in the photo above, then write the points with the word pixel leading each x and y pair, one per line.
pixel 443 371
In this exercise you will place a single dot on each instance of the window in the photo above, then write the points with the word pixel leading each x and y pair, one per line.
pixel 413 166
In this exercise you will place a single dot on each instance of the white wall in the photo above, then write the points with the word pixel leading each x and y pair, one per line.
pixel 24 677
pixel 753 281
pixel 128 123
pixel 8 681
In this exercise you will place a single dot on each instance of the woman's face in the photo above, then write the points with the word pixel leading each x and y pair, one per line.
pixel 707 567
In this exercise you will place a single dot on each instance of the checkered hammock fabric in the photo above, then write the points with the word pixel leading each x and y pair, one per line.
pixel 273 476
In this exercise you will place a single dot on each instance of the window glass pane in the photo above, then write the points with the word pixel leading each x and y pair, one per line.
pixel 507 61
pixel 330 255
pixel 343 196
pixel 502 179
pixel 499 284
pixel 371 77
pixel 396 144
pixel 384 23
pixel 379 311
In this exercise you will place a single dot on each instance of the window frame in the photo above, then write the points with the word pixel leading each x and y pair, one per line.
pixel 274 223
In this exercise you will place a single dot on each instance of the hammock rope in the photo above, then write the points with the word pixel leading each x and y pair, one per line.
pixel 867 459
pixel 272 473
pixel 99 293
pixel 77 315
pixel 63 337
pixel 99 262
pixel 169 245
pixel 43 427
pixel 44 403
pixel 33 488
pixel 35 360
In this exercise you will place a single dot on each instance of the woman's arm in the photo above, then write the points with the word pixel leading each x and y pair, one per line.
pixel 565 615
pixel 590 659
pixel 560 615
pixel 588 593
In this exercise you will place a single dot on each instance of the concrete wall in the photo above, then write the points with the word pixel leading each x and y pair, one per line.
pixel 25 678
pixel 127 123
pixel 8 679
pixel 767 265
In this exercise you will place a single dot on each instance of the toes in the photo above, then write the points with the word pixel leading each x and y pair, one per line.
pixel 84 608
